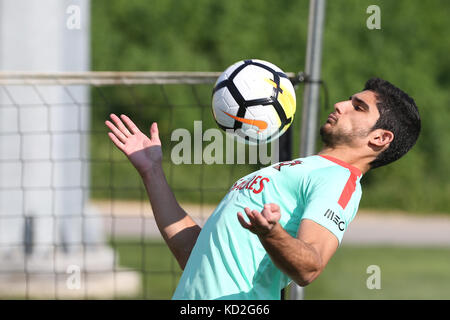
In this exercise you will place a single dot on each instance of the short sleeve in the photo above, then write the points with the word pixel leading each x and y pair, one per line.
pixel 331 199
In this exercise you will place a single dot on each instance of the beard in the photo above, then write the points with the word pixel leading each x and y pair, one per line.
pixel 333 136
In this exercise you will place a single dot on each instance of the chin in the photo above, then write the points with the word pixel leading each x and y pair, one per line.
pixel 326 128
pixel 326 135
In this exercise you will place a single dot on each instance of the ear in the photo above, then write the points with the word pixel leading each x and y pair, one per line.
pixel 381 138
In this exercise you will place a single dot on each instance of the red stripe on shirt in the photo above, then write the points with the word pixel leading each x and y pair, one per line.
pixel 350 186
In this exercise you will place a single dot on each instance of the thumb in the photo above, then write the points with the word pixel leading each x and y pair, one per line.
pixel 273 207
pixel 271 212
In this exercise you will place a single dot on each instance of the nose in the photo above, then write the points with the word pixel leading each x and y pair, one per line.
pixel 339 107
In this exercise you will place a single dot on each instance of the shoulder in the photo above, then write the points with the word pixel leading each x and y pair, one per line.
pixel 329 168
pixel 331 174
pixel 334 181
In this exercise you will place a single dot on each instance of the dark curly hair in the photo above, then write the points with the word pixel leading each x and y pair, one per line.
pixel 398 114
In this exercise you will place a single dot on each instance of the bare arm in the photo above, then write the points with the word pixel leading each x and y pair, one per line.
pixel 178 229
pixel 302 258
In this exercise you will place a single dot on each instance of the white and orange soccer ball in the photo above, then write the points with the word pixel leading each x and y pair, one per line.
pixel 254 100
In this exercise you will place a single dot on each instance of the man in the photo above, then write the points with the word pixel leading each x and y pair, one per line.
pixel 296 212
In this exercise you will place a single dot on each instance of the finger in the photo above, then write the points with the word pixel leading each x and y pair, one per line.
pixel 256 218
pixel 267 211
pixel 249 214
pixel 274 207
pixel 116 141
pixel 154 132
pixel 116 131
pixel 272 212
pixel 260 219
pixel 130 124
pixel 120 125
pixel 242 221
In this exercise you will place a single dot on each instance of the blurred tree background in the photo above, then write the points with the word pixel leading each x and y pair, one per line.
pixel 410 50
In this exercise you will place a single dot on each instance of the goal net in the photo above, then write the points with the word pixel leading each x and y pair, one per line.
pixel 74 216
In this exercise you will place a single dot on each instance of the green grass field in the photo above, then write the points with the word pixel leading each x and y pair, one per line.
pixel 406 273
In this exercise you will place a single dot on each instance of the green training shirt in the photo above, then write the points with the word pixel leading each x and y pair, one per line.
pixel 229 262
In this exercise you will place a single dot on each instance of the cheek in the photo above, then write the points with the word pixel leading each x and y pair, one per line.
pixel 360 124
pixel 361 128
pixel 347 125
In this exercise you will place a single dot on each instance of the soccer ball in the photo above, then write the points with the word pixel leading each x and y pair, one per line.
pixel 254 100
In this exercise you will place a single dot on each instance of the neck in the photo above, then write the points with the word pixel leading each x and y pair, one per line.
pixel 348 155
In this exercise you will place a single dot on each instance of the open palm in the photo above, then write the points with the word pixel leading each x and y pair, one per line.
pixel 142 151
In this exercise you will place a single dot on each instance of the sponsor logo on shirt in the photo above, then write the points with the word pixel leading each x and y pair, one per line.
pixel 329 214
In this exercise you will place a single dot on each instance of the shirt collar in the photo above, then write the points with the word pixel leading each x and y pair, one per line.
pixel 354 170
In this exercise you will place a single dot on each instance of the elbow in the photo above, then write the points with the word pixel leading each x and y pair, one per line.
pixel 303 282
pixel 307 277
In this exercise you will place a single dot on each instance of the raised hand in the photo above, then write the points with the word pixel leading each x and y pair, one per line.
pixel 261 223
pixel 142 151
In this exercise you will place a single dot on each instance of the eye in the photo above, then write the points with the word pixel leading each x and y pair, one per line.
pixel 357 107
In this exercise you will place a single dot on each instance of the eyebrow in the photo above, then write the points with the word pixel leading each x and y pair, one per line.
pixel 361 102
